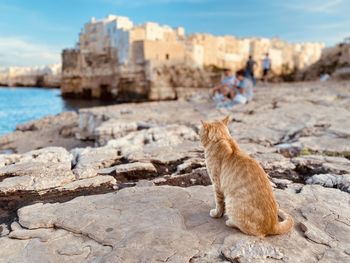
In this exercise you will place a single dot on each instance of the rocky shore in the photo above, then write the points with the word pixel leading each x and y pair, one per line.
pixel 128 183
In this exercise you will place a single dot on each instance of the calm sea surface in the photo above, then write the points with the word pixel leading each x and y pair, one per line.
pixel 19 105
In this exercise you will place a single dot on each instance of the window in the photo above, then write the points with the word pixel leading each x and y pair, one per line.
pixel 167 56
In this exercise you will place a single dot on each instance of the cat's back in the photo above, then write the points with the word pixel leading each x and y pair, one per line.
pixel 249 192
pixel 242 171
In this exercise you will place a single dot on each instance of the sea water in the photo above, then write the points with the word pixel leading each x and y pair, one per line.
pixel 19 105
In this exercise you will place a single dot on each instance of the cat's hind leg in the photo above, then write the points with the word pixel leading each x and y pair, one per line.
pixel 219 202
pixel 229 207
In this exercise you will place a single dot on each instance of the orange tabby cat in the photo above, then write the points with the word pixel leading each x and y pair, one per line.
pixel 242 188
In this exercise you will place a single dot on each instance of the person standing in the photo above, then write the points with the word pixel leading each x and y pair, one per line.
pixel 266 67
pixel 249 69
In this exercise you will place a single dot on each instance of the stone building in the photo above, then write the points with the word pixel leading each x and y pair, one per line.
pixel 335 61
pixel 46 76
pixel 116 59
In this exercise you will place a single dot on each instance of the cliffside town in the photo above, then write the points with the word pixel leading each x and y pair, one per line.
pixel 116 59
pixel 335 61
pixel 46 76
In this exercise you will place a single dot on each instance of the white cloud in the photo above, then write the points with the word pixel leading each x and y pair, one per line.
pixel 16 51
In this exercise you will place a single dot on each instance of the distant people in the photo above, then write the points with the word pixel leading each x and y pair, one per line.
pixel 249 69
pixel 223 91
pixel 245 85
pixel 242 92
pixel 266 67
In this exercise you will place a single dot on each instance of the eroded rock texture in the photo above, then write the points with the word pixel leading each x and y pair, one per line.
pixel 153 202
pixel 171 224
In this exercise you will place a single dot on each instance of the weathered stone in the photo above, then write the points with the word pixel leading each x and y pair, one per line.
pixel 38 170
pixel 316 235
pixel 88 183
pixel 172 223
pixel 190 164
pixel 89 160
pixel 160 136
pixel 164 148
pixel 281 183
pixel 251 251
pixel 341 182
pixel 51 131
pixel 4 231
pixel 318 164
pixel 327 144
pixel 197 176
pixel 136 170
pixel 50 245
pixel 46 122
pixel 113 129
pixel 276 165
pixel 6 159
pixel 289 150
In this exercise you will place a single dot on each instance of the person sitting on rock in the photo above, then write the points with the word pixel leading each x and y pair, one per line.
pixel 224 90
pixel 245 85
pixel 242 93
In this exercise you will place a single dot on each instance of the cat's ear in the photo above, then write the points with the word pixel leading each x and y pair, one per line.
pixel 226 120
pixel 205 124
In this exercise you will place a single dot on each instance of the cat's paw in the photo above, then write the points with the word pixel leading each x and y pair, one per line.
pixel 230 223
pixel 215 213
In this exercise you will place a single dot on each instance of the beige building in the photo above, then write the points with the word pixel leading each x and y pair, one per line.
pixel 115 58
pixel 46 76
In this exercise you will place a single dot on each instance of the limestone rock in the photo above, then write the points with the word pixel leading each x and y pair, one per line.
pixel 172 223
pixel 341 182
pixel 66 117
pixel 335 146
pixel 197 176
pixel 89 160
pixel 318 164
pixel 89 183
pixel 149 221
pixel 154 137
pixel 276 165
pixel 38 170
pixel 190 164
pixel 113 129
pixel 251 251
pixel 4 231
pixel 135 170
pixel 7 159
pixel 50 245
pixel 51 131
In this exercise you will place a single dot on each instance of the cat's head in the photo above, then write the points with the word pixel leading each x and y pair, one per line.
pixel 214 131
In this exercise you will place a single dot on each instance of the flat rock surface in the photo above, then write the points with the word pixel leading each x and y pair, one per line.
pixel 172 224
pixel 104 184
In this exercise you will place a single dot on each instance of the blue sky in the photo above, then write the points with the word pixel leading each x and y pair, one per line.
pixel 33 32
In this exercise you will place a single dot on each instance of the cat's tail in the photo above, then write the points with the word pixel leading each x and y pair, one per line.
pixel 285 226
